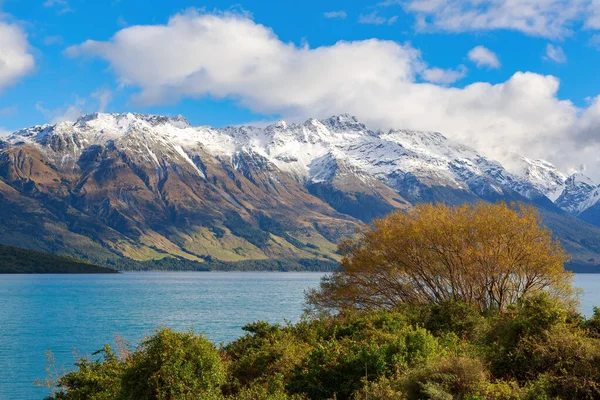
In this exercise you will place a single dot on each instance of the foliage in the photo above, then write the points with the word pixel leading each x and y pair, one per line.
pixel 14 260
pixel 173 365
pixel 455 377
pixel 239 227
pixel 534 349
pixel 486 255
pixel 593 324
pixel 97 379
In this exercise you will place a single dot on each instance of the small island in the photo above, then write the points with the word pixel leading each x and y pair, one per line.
pixel 14 260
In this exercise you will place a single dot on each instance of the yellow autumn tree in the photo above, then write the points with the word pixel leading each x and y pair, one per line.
pixel 487 255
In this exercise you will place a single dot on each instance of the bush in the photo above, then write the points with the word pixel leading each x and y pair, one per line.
pixel 451 378
pixel 173 365
pixel 528 321
pixel 593 324
pixel 451 316
pixel 273 390
pixel 94 380
pixel 342 367
pixel 382 389
pixel 265 352
pixel 567 362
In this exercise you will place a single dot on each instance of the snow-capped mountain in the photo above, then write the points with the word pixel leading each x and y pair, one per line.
pixel 540 173
pixel 297 149
pixel 309 151
pixel 579 194
pixel 146 184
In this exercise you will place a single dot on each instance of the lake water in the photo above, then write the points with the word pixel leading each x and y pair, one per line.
pixel 64 312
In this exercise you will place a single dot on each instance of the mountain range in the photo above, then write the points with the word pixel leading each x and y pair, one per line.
pixel 147 191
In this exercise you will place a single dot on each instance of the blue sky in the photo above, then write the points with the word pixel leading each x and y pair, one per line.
pixel 418 73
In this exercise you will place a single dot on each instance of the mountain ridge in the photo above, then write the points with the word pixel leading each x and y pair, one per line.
pixel 151 187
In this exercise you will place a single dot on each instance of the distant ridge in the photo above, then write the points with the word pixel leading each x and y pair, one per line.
pixel 14 260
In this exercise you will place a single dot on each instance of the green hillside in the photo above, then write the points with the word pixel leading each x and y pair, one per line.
pixel 14 260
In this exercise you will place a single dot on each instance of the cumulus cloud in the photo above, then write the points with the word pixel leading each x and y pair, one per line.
pixel 231 56
pixel 484 57
pixel 336 14
pixel 16 59
pixel 545 18
pixel 374 18
pixel 555 53
pixel 444 76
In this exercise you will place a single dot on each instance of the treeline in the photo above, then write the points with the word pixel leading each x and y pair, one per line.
pixel 180 264
pixel 15 260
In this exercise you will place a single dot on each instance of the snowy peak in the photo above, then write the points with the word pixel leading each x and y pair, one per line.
pixel 345 123
pixel 544 176
pixel 125 121
pixel 579 194
pixel 579 178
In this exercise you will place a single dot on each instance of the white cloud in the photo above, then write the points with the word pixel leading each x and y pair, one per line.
pixel 61 5
pixel 103 96
pixel 230 56
pixel 484 57
pixel 122 22
pixel 593 20
pixel 8 111
pixel 595 41
pixel 546 18
pixel 97 101
pixel 53 40
pixel 444 76
pixel 374 18
pixel 16 59
pixel 4 132
pixel 555 53
pixel 336 14
pixel 67 113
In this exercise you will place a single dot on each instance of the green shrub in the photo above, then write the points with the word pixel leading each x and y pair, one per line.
pixel 272 389
pixel 382 389
pixel 530 320
pixel 173 365
pixel 568 362
pixel 593 324
pixel 266 351
pixel 502 390
pixel 450 378
pixel 341 367
pixel 93 380
pixel 454 317
pixel 536 349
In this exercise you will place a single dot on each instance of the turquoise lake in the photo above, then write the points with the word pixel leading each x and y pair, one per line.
pixel 82 312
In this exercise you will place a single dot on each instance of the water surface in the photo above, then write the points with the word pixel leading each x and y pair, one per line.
pixel 67 312
pixel 64 312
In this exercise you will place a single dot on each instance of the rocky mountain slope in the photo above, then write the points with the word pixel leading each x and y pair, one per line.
pixel 131 190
